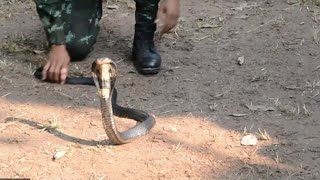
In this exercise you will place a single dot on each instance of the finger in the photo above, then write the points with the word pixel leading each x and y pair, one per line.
pixel 168 26
pixel 63 75
pixel 171 25
pixel 45 71
pixel 164 29
pixel 51 72
pixel 56 75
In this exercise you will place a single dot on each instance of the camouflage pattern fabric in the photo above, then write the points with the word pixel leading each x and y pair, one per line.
pixel 76 23
pixel 146 11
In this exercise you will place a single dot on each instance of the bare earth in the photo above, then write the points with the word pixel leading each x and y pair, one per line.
pixel 204 100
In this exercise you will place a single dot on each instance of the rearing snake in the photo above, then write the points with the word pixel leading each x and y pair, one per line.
pixel 104 73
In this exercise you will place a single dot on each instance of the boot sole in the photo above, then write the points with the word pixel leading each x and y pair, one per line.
pixel 148 71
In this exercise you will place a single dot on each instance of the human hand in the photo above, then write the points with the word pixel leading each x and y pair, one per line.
pixel 168 15
pixel 56 69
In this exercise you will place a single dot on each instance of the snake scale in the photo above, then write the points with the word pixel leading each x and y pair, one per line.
pixel 104 73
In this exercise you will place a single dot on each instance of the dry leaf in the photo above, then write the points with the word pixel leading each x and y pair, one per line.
pixel 241 7
pixel 244 6
pixel 259 108
pixel 207 25
pixel 242 17
pixel 287 109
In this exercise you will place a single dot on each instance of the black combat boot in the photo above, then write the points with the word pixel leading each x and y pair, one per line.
pixel 145 56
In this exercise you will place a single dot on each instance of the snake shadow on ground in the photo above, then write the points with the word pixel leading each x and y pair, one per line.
pixel 58 133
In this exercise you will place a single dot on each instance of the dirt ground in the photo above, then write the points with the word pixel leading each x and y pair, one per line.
pixel 230 68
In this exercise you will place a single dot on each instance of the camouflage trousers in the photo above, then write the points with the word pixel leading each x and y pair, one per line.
pixel 75 23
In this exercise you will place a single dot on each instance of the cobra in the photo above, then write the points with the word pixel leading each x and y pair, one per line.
pixel 104 73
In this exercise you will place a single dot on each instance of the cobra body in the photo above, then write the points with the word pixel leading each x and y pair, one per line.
pixel 104 77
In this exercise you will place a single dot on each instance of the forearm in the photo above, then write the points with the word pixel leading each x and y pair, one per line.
pixel 54 15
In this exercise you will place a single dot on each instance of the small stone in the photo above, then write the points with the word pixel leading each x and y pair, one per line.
pixel 59 155
pixel 113 7
pixel 171 129
pixel 249 140
pixel 241 60
pixel 238 115
pixel 38 51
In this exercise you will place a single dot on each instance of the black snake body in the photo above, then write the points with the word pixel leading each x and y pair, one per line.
pixel 109 106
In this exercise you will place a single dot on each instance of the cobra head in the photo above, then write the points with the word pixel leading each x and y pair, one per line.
pixel 104 73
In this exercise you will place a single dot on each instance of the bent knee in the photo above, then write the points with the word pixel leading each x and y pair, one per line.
pixel 78 51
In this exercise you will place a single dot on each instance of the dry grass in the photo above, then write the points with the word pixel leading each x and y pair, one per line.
pixel 177 147
pixel 16 46
pixel 53 124
pixel 4 64
pixel 315 32
pixel 264 135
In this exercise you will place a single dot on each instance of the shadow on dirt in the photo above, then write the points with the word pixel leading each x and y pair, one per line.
pixel 58 133
pixel 228 161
